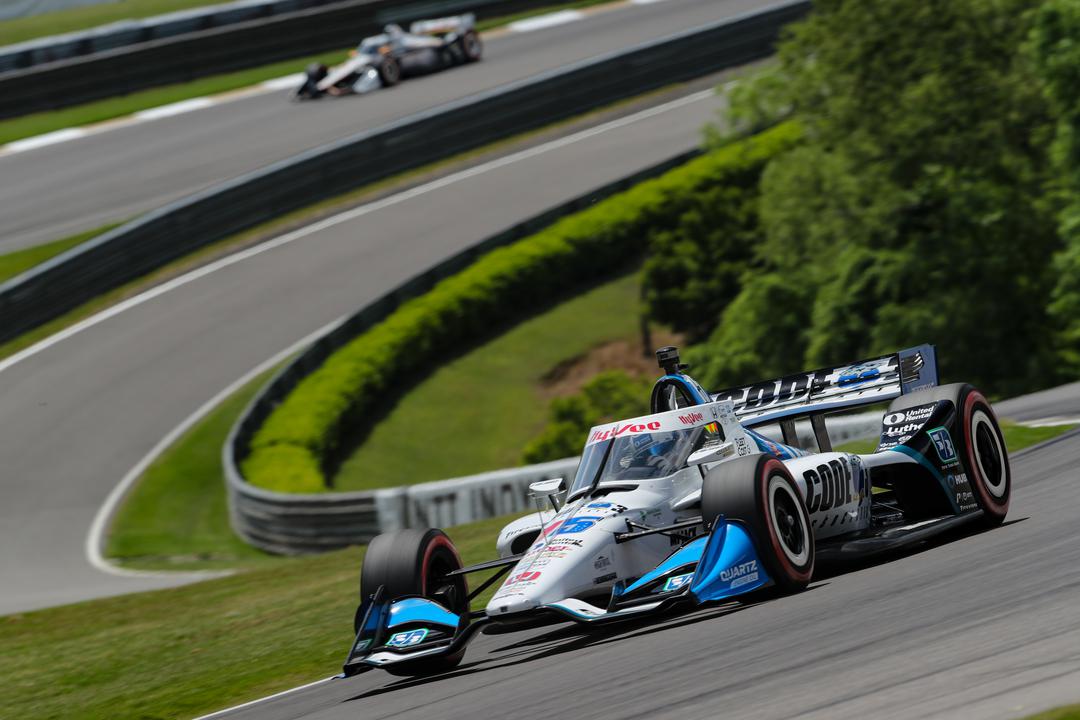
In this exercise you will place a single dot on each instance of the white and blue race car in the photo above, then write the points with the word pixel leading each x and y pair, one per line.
pixel 693 504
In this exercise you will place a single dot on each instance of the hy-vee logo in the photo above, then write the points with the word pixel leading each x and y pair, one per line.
pixel 623 430
pixel 691 418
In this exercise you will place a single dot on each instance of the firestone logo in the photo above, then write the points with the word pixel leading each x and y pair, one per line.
pixel 623 430
pixel 692 418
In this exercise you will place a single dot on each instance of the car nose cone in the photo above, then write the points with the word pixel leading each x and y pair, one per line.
pixel 511 604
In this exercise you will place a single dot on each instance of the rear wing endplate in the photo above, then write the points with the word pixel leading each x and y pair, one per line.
pixel 835 388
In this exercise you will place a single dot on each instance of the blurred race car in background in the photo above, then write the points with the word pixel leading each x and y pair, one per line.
pixel 383 60
pixel 693 504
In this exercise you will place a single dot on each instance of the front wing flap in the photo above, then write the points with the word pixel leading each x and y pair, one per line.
pixel 403 629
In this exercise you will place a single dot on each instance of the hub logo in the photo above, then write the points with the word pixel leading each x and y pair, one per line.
pixel 676 582
pixel 943 444
pixel 407 639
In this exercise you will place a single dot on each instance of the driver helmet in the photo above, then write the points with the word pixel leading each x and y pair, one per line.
pixel 393 30
pixel 647 446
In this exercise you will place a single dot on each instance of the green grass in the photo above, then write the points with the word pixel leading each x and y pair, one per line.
pixel 1069 712
pixel 20 261
pixel 1017 437
pixel 81 18
pixel 195 649
pixel 176 517
pixel 477 412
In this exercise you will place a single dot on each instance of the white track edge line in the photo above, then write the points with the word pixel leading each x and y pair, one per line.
pixel 542 22
pixel 95 537
pixel 218 713
pixel 333 220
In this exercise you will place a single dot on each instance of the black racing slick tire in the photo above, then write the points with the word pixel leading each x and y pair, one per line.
pixel 415 562
pixel 759 491
pixel 389 71
pixel 472 47
pixel 980 444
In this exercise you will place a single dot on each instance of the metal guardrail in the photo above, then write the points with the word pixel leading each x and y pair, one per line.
pixel 289 523
pixel 118 68
pixel 131 32
pixel 132 250
pixel 300 524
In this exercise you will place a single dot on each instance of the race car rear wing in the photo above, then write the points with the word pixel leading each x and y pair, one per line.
pixel 444 25
pixel 834 388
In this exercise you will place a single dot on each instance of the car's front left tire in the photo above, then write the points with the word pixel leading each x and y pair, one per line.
pixel 759 491
pixel 416 562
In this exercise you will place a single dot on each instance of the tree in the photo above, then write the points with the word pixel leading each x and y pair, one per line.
pixel 913 211
pixel 1054 47
pixel 693 270
pixel 610 395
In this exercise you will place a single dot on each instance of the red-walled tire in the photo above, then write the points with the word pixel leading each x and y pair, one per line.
pixel 980 445
pixel 412 562
pixel 472 47
pixel 759 491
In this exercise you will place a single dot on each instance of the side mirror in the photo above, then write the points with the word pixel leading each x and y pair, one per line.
pixel 547 488
pixel 711 453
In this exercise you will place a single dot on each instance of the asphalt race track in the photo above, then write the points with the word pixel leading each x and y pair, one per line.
pixel 83 184
pixel 79 415
pixel 986 626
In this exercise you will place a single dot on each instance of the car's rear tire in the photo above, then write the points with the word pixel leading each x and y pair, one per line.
pixel 389 71
pixel 413 562
pixel 759 491
pixel 980 445
pixel 472 47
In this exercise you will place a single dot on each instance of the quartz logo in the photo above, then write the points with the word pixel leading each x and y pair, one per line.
pixel 741 574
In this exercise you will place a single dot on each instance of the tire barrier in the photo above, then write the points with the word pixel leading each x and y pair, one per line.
pixel 153 240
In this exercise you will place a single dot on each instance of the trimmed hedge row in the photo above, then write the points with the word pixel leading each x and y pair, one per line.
pixel 290 451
